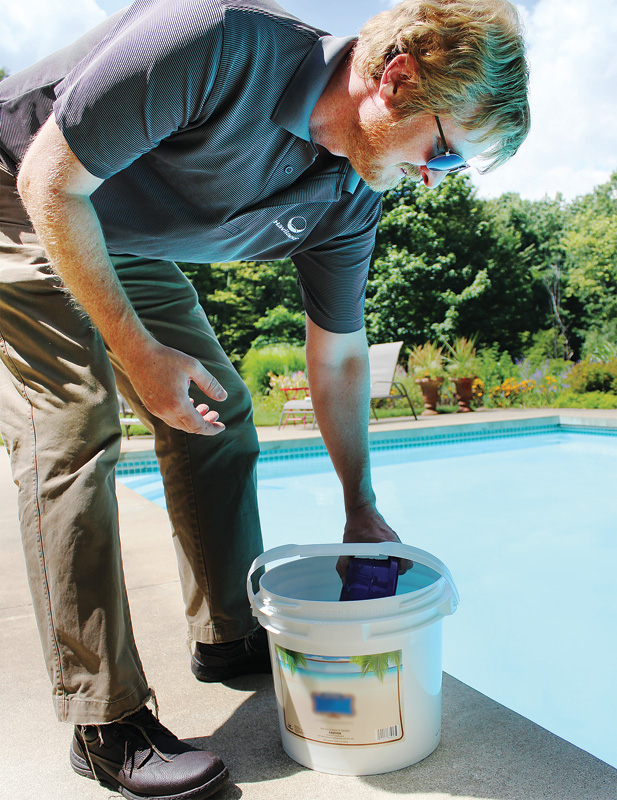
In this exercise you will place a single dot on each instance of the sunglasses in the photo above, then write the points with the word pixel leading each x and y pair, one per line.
pixel 446 161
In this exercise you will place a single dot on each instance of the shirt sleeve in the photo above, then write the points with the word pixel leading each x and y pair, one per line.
pixel 150 77
pixel 333 276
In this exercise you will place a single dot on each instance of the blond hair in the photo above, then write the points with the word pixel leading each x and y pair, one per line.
pixel 470 64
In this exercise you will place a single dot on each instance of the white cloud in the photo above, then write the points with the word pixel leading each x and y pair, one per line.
pixel 31 29
pixel 573 97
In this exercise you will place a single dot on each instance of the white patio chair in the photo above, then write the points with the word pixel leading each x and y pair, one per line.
pixel 298 411
pixel 382 365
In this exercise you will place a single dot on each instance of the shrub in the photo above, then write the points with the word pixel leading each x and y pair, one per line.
pixel 557 368
pixel 462 359
pixel 267 409
pixel 279 325
pixel 594 376
pixel 494 367
pixel 511 392
pixel 600 345
pixel 572 399
pixel 293 380
pixel 478 390
pixel 260 362
pixel 426 361
pixel 546 379
pixel 545 344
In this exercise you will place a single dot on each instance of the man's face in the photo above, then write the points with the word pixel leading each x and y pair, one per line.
pixel 384 151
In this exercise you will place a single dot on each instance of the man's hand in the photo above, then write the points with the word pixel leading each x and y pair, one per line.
pixel 162 376
pixel 365 524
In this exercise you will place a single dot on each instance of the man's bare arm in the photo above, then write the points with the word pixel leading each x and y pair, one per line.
pixel 56 189
pixel 339 383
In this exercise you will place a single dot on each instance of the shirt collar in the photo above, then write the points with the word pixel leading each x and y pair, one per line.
pixel 298 100
pixel 296 104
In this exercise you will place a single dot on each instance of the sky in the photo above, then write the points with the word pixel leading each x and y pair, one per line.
pixel 572 52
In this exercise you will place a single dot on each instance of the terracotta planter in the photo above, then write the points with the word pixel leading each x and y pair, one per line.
pixel 430 388
pixel 464 387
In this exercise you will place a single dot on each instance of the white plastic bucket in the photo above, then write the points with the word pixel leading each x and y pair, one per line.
pixel 358 683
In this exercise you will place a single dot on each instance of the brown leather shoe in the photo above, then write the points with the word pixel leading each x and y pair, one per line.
pixel 219 662
pixel 142 760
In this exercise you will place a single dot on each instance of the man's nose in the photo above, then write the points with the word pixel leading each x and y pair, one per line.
pixel 432 178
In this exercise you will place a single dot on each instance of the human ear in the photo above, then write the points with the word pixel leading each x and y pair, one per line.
pixel 400 70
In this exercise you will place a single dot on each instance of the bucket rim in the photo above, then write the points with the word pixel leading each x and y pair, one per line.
pixel 396 549
pixel 434 600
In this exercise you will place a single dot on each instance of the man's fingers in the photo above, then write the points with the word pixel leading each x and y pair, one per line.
pixel 199 420
pixel 342 567
pixel 207 414
pixel 208 383
pixel 404 565
pixel 206 424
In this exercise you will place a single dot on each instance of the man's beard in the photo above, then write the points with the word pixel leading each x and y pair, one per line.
pixel 368 147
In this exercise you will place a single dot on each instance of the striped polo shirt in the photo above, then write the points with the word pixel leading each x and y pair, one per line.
pixel 196 115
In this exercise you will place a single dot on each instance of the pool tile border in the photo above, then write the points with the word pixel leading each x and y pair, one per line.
pixel 379 441
pixel 133 465
pixel 444 435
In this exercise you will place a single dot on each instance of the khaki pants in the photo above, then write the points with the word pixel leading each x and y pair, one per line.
pixel 59 421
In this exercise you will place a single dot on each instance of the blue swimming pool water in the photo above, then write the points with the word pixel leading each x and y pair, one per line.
pixel 528 527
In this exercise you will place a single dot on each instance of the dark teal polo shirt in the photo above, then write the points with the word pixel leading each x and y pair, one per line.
pixel 196 112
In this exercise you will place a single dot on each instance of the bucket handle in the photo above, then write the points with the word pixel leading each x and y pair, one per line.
pixel 371 550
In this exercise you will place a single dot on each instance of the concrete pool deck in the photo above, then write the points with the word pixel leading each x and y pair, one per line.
pixel 487 752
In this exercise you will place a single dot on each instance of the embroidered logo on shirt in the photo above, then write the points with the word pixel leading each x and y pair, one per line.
pixel 295 225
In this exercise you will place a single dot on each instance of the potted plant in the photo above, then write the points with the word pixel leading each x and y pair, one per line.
pixel 426 364
pixel 462 366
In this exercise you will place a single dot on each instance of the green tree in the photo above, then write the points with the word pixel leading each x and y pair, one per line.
pixel 590 246
pixel 279 325
pixel 241 301
pixel 444 268
pixel 533 233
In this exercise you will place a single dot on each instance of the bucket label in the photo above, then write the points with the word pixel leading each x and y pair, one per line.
pixel 344 700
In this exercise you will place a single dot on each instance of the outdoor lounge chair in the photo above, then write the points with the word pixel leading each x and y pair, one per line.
pixel 382 363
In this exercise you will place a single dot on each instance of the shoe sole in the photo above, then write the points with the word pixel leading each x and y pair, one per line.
pixel 82 767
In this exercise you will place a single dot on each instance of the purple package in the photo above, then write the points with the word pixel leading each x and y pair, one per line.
pixel 368 578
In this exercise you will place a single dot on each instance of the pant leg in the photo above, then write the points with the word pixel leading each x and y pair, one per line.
pixel 59 422
pixel 210 484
